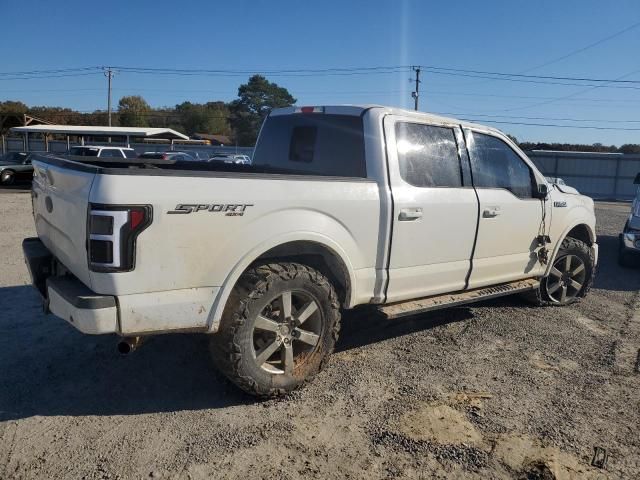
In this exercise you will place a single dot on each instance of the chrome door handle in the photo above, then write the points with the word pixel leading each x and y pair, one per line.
pixel 410 214
pixel 491 213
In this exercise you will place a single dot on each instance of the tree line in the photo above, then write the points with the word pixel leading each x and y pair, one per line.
pixel 239 119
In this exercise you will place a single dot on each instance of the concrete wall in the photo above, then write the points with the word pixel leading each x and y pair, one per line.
pixel 599 175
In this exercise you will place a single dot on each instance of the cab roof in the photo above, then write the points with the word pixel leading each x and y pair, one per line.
pixel 357 110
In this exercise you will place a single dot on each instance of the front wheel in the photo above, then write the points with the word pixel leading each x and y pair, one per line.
pixel 278 329
pixel 7 177
pixel 571 274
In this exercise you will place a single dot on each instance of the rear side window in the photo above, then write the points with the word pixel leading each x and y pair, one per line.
pixel 130 154
pixel 495 165
pixel 109 153
pixel 314 144
pixel 84 151
pixel 428 155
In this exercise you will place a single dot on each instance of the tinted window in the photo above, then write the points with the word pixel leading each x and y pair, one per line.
pixel 495 165
pixel 428 155
pixel 316 144
pixel 130 154
pixel 152 155
pixel 14 157
pixel 303 144
pixel 107 153
pixel 84 152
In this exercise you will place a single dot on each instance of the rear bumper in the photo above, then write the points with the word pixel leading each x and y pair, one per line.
pixel 74 302
pixel 135 314
pixel 66 296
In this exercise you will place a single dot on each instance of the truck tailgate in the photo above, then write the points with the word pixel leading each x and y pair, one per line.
pixel 60 202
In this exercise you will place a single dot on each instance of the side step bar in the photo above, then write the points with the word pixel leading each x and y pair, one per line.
pixel 427 304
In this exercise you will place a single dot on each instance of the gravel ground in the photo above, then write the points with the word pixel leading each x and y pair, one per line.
pixel 498 390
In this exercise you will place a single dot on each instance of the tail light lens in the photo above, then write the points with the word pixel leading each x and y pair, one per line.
pixel 111 235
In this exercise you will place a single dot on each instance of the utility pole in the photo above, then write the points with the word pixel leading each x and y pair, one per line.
pixel 109 74
pixel 416 93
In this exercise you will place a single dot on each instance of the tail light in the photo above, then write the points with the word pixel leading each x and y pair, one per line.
pixel 111 235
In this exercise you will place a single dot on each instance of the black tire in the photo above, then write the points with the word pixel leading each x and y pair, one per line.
pixel 7 177
pixel 241 339
pixel 545 295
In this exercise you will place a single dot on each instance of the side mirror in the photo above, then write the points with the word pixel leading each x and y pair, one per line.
pixel 542 191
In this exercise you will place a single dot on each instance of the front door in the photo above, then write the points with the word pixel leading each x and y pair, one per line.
pixel 435 209
pixel 511 218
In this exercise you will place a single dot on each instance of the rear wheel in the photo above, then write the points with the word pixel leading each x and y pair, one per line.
pixel 570 277
pixel 7 177
pixel 278 329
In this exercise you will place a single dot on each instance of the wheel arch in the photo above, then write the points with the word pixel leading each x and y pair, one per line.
pixel 578 230
pixel 312 249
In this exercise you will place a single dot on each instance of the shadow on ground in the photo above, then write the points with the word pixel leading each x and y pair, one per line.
pixel 51 369
pixel 610 275
pixel 16 188
pixel 48 368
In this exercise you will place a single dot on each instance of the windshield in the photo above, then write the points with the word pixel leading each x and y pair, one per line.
pixel 14 157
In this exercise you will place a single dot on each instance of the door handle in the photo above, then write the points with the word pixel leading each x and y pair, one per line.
pixel 491 212
pixel 410 214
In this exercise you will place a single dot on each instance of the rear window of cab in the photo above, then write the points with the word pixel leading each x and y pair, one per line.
pixel 313 144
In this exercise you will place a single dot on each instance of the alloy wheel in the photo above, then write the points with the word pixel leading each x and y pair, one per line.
pixel 566 278
pixel 280 344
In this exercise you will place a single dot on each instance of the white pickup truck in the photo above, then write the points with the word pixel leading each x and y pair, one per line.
pixel 342 206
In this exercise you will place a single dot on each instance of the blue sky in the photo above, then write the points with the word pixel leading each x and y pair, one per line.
pixel 499 36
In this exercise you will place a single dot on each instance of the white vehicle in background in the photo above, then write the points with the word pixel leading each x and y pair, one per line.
pixel 171 156
pixel 102 152
pixel 342 206
pixel 230 158
pixel 629 239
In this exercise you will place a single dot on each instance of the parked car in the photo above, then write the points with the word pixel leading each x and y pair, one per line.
pixel 342 206
pixel 103 152
pixel 174 156
pixel 230 158
pixel 15 167
pixel 629 239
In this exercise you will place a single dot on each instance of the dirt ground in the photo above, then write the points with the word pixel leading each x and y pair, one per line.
pixel 498 390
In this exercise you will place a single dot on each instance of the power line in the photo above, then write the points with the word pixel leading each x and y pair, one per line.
pixel 582 49
pixel 579 127
pixel 79 74
pixel 47 72
pixel 541 118
pixel 564 97
pixel 311 71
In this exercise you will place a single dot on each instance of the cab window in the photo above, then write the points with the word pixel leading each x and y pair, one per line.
pixel 494 164
pixel 428 155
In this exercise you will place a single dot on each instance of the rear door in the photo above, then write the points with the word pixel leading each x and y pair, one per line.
pixel 435 208
pixel 510 216
pixel 60 201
